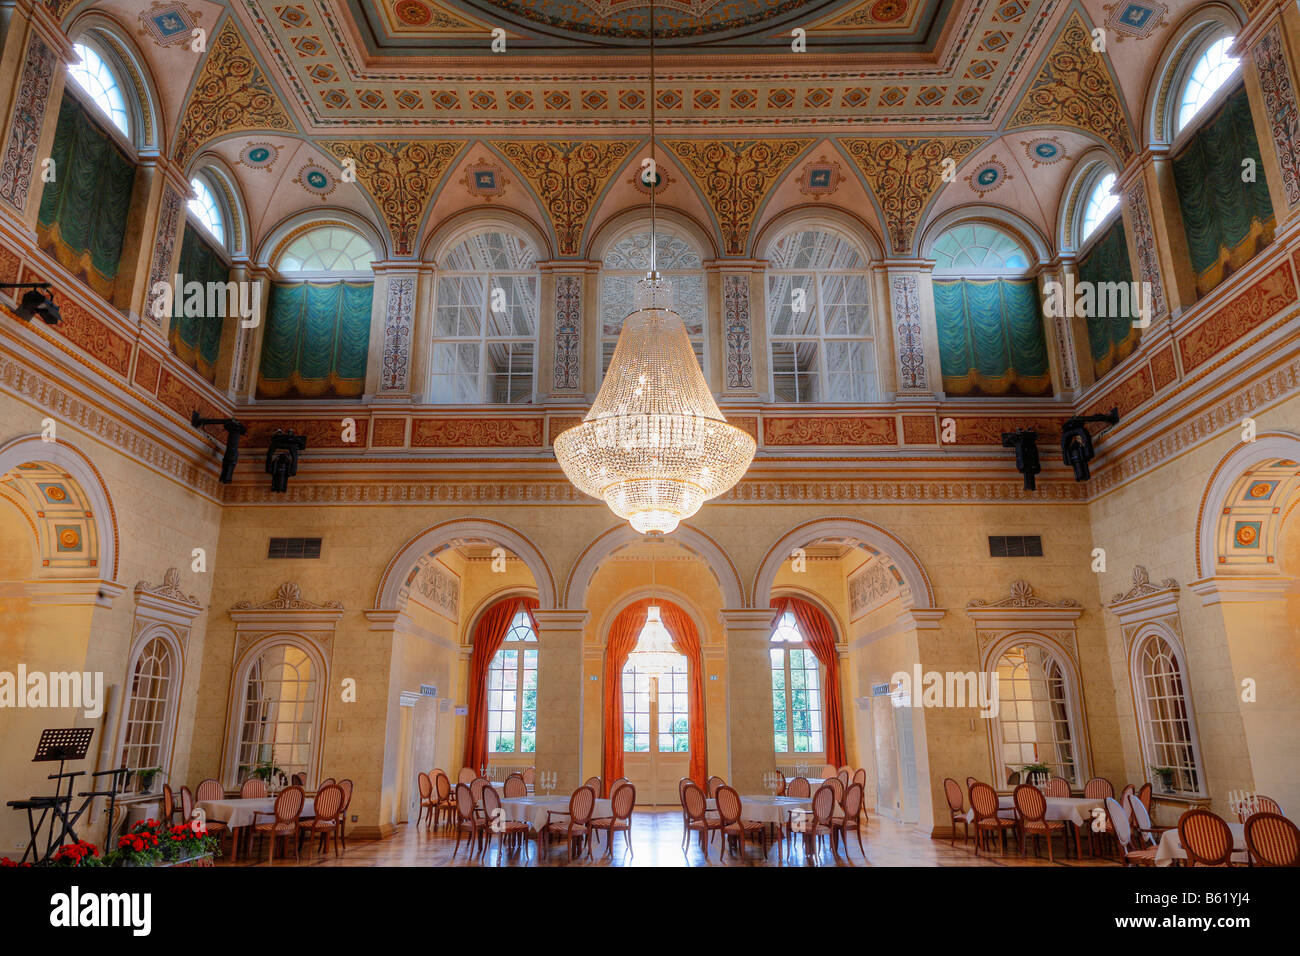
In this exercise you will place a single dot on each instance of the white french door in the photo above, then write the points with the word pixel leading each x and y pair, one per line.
pixel 656 733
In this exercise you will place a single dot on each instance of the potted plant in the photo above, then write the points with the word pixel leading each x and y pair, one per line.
pixel 1166 775
pixel 145 777
pixel 138 846
pixel 267 771
pixel 1036 773
pixel 153 843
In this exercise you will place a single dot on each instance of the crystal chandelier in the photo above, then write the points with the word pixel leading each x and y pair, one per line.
pixel 654 446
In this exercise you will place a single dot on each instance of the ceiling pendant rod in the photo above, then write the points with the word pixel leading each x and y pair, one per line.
pixel 654 168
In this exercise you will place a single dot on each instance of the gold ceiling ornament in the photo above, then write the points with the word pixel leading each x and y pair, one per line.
pixel 654 446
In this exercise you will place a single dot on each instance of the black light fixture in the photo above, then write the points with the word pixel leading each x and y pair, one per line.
pixel 1025 442
pixel 234 429
pixel 37 302
pixel 282 458
pixel 1076 441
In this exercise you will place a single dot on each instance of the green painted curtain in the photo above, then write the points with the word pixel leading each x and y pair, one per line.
pixel 1111 338
pixel 316 340
pixel 991 337
pixel 1226 220
pixel 196 339
pixel 83 213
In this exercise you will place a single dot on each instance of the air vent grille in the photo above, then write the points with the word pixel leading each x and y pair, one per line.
pixel 1015 546
pixel 294 548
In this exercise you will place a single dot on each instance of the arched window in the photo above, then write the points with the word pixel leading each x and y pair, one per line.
pixel 99 81
pixel 485 322
pixel 279 713
pixel 1164 716
pixel 150 706
pixel 327 249
pixel 1035 715
pixel 628 260
pixel 819 319
pixel 796 691
pixel 1208 74
pixel 987 314
pixel 206 210
pixel 1098 206
pixel 512 691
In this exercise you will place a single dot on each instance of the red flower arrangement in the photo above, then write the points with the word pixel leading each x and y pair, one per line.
pixel 80 853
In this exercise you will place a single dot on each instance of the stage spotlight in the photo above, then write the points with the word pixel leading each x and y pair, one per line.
pixel 1024 441
pixel 234 429
pixel 1076 441
pixel 282 458
pixel 36 303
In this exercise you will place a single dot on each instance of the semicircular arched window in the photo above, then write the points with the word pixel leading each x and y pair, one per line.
pixel 819 319
pixel 327 249
pixel 1212 69
pixel 977 247
pixel 485 322
pixel 676 259
pixel 1098 206
pixel 100 83
pixel 206 210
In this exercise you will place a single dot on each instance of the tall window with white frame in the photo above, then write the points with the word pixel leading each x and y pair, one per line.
pixel 625 262
pixel 819 319
pixel 656 712
pixel 278 716
pixel 485 322
pixel 1170 744
pixel 1034 719
pixel 796 693
pixel 512 691
pixel 149 708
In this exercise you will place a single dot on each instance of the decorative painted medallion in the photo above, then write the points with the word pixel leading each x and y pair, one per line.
pixel 1246 534
pixel 1045 151
pixel 642 180
pixel 820 178
pixel 316 180
pixel 1261 490
pixel 169 23
pixel 988 176
pixel 1135 18
pixel 485 180
pixel 259 155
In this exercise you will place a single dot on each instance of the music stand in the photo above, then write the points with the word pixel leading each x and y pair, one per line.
pixel 61 744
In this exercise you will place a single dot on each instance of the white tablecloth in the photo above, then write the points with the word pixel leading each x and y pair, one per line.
pixel 1170 847
pixel 1077 810
pixel 238 812
pixel 532 810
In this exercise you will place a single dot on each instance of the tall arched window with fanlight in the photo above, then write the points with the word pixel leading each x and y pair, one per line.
pixel 280 711
pixel 512 690
pixel 485 322
pixel 197 322
pixel 796 693
pixel 820 339
pixel 1036 722
pixel 149 711
pixel 1104 271
pixel 1165 717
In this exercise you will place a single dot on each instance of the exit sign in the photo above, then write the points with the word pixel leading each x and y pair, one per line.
pixel 428 690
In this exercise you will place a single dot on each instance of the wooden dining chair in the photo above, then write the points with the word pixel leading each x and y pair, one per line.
pixel 828 771
pixel 325 783
pixel 1272 839
pixel 1147 835
pixel 1257 803
pixel 594 783
pixel 851 819
pixel 1031 806
pixel 988 816
pixel 476 788
pixel 1057 787
pixel 468 819
pixel 1098 788
pixel 699 819
pixel 844 776
pixel 446 799
pixel 346 786
pixel 168 804
pixel 731 825
pixel 298 780
pixel 713 784
pixel 1132 854
pixel 515 786
pixel 512 832
pixel 324 822
pixel 799 787
pixel 284 819
pixel 621 804
pixel 1144 795
pixel 860 778
pixel 616 784
pixel 530 778
pixel 428 801
pixel 823 812
pixel 466 775
pixel 837 785
pixel 681 787
pixel 254 788
pixel 576 827
pixel 209 789
pixel 956 811
pixel 1206 838
pixel 187 804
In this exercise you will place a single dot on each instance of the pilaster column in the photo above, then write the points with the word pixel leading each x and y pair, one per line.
pixel 909 299
pixel 390 367
pixel 740 327
pixel 1142 242
pixel 166 250
pixel 1173 258
pixel 559 695
pixel 563 350
pixel 247 349
pixel 1060 338
pixel 1270 49
pixel 750 750
pixel 232 328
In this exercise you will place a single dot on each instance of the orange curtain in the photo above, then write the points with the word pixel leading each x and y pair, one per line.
pixel 489 634
pixel 687 641
pixel 820 638
pixel 622 638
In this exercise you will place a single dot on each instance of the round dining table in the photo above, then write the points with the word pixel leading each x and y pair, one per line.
pixel 240 812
